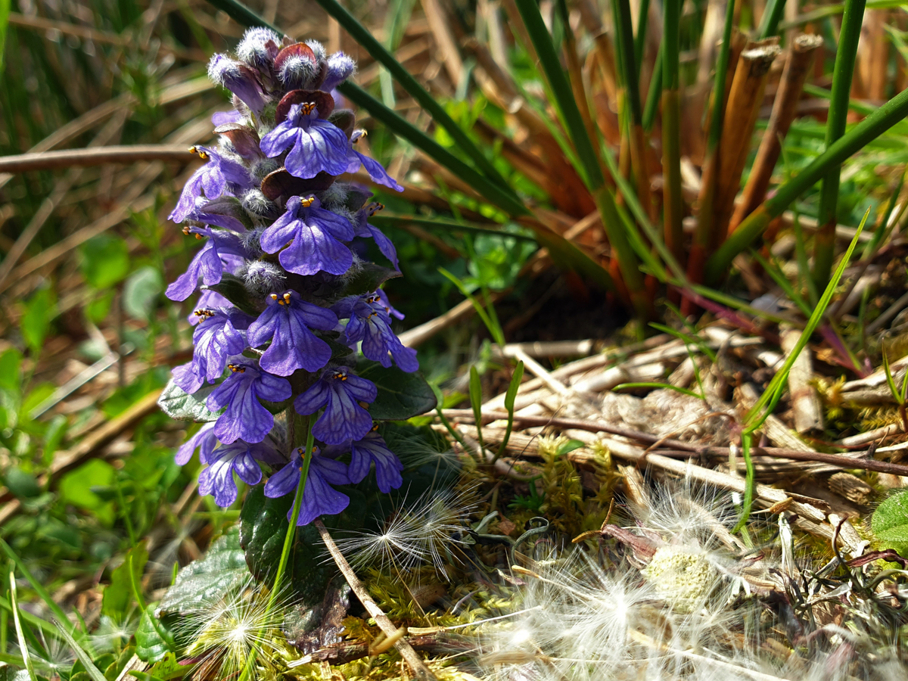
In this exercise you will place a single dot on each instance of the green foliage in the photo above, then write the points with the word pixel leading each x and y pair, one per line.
pixel 890 523
pixel 76 489
pixel 141 292
pixel 118 596
pixel 155 637
pixel 105 261
pixel 400 395
pixel 179 405
pixel 37 314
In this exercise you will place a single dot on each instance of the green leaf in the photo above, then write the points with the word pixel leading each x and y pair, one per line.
pixel 400 395
pixel 569 446
pixel 112 672
pixel 93 672
pixel 118 596
pixel 154 637
pixel 10 363
pixel 141 291
pixel 36 317
pixel 476 402
pixel 181 406
pixel 98 309
pixel 23 485
pixel 234 289
pixel 4 22
pixel 206 580
pixel 75 488
pixel 893 512
pixel 105 261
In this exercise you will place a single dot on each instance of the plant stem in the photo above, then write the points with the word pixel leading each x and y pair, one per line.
pixel 671 125
pixel 651 108
pixel 772 15
pixel 288 538
pixel 863 133
pixel 846 51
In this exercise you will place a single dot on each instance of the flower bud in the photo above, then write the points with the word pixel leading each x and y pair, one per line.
pixel 262 278
pixel 259 47
pixel 340 67
pixel 239 79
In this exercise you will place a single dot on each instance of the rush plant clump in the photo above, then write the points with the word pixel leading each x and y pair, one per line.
pixel 286 297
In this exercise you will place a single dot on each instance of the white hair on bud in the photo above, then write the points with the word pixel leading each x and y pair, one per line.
pixel 340 68
pixel 253 48
pixel 262 278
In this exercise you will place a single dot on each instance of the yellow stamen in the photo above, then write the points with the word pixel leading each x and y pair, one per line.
pixel 307 201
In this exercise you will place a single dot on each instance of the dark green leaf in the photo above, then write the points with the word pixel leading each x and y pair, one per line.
pixel 113 670
pixel 513 387
pixel 400 395
pixel 141 291
pixel 368 278
pixel 118 596
pixel 181 406
pixel 569 446
pixel 206 580
pixel 234 290
pixel 154 638
pixel 10 362
pixel 105 261
pixel 22 484
pixel 263 526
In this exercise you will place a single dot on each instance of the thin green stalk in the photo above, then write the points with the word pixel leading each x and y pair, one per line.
pixel 476 404
pixel 509 400
pixel 651 108
pixel 755 224
pixel 627 62
pixel 20 634
pixel 772 15
pixel 758 414
pixel 288 540
pixel 850 35
pixel 640 38
pixel 80 652
pixel 395 24
pixel 136 586
pixel 671 125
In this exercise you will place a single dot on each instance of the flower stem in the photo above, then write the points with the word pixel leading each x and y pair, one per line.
pixel 288 539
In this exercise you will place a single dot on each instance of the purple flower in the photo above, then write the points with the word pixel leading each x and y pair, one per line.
pixel 375 169
pixel 188 377
pixel 370 323
pixel 259 47
pixel 286 323
pixel 340 68
pixel 340 391
pixel 207 299
pixel 240 458
pixel 239 79
pixel 213 179
pixel 217 337
pixel 314 235
pixel 245 417
pixel 382 296
pixel 387 466
pixel 319 498
pixel 219 118
pixel 204 439
pixel 365 230
pixel 315 144
pixel 208 264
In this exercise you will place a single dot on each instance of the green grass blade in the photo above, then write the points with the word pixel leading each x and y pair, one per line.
pixel 84 657
pixel 476 403
pixel 510 399
pixel 772 15
pixel 843 72
pixel 365 38
pixel 37 586
pixel 654 96
pixel 20 633
pixel 4 24
pixel 395 24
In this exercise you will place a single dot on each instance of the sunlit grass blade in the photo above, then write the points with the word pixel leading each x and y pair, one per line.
pixel 510 399
pixel 772 15
pixel 493 328
pixel 38 587
pixel 20 633
pixel 846 51
pixel 83 656
pixel 855 139
pixel 378 52
pixel 586 152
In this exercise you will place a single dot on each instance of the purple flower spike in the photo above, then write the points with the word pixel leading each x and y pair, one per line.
pixel 314 235
pixel 365 230
pixel 206 300
pixel 188 378
pixel 213 179
pixel 239 79
pixel 286 323
pixel 387 466
pixel 240 458
pixel 319 498
pixel 371 324
pixel 315 144
pixel 208 264
pixel 259 47
pixel 204 440
pixel 217 337
pixel 245 418
pixel 344 419
pixel 375 169
pixel 390 309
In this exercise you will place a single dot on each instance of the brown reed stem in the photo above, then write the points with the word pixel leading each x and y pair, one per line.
pixel 784 110
pixel 68 158
pixel 741 114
